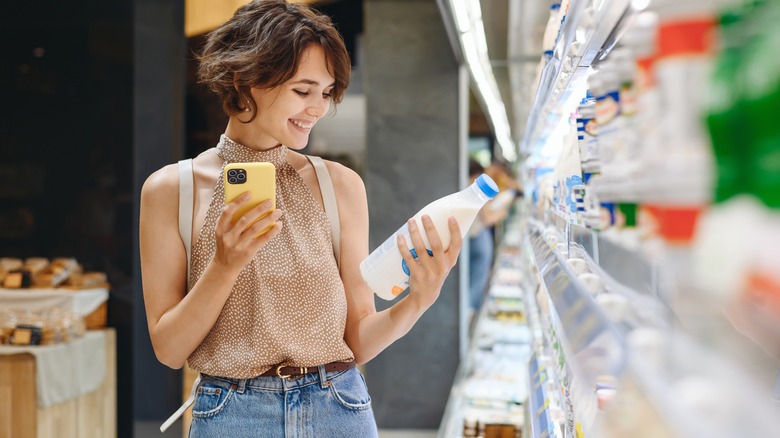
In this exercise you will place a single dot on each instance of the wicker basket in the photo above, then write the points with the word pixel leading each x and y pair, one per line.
pixel 98 318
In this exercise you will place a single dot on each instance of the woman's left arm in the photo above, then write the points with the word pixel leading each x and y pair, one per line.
pixel 368 332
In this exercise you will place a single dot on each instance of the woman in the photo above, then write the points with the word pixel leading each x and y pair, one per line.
pixel 274 324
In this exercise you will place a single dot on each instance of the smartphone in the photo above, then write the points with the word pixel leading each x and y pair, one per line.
pixel 259 179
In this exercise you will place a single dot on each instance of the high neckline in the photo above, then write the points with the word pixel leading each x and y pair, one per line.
pixel 233 152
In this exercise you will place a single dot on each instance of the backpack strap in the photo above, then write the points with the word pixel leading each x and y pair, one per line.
pixel 186 195
pixel 329 201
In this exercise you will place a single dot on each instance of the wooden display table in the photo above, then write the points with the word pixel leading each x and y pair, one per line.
pixel 89 415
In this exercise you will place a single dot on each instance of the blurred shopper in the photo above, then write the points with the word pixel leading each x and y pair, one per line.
pixel 276 323
pixel 481 237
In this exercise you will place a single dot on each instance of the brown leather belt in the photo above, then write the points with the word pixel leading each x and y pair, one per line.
pixel 285 372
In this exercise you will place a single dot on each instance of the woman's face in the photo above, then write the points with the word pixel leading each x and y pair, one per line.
pixel 287 113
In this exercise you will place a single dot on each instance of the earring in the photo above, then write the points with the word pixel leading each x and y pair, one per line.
pixel 247 106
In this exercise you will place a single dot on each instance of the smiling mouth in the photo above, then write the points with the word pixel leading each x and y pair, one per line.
pixel 302 125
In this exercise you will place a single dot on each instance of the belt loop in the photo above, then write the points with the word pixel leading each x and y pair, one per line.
pixel 323 376
pixel 241 385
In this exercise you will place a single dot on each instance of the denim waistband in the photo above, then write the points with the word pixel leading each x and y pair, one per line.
pixel 273 383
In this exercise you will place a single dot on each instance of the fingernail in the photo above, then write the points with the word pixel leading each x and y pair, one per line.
pixel 246 196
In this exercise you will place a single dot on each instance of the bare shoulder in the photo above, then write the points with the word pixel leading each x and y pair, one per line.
pixel 162 183
pixel 345 180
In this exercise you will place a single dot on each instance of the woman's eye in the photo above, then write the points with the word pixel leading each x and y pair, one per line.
pixel 326 95
pixel 302 93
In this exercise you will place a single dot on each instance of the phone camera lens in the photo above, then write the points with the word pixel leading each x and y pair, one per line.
pixel 241 176
pixel 232 172
pixel 232 180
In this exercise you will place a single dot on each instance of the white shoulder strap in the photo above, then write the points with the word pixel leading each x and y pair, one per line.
pixel 329 200
pixel 186 200
pixel 186 195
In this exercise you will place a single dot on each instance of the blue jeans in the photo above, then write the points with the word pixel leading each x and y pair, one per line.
pixel 480 263
pixel 323 404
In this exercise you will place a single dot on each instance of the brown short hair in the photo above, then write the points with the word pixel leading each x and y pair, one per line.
pixel 261 46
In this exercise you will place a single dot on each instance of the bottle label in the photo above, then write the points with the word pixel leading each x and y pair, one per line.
pixel 587 130
pixel 405 267
pixel 628 103
pixel 607 108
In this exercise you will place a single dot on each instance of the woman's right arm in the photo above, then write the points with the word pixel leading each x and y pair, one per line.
pixel 179 321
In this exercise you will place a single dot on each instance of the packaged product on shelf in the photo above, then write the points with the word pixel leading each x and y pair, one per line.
pixel 723 113
pixel 614 306
pixel 759 81
pixel 49 327
pixel 605 87
pixel 35 264
pixel 735 252
pixel 17 279
pixel 23 276
pixel 683 159
pixel 8 264
pixel 56 272
pixel 87 280
pixel 24 334
pixel 553 27
pixel 7 325
pixel 568 174
pixel 587 135
pixel 625 67
pixel 640 39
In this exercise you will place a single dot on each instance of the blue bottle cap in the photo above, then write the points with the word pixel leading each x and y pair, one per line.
pixel 487 185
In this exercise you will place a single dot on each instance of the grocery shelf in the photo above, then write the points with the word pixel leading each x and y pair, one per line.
pixel 667 380
pixel 628 267
pixel 575 313
pixel 581 43
pixel 655 185
pixel 697 393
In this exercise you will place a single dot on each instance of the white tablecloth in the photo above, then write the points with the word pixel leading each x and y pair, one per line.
pixel 37 300
pixel 66 371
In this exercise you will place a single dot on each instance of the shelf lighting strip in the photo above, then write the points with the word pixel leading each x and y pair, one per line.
pixel 471 32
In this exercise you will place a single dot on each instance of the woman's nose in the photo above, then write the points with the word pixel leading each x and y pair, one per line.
pixel 319 108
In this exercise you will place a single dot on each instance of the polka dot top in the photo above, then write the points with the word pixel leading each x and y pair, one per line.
pixel 288 305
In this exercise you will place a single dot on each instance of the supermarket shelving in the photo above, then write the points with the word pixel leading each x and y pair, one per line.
pixel 581 43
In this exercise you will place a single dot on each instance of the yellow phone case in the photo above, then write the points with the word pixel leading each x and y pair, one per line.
pixel 259 179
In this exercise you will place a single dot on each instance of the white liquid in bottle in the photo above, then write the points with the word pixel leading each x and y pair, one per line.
pixel 385 271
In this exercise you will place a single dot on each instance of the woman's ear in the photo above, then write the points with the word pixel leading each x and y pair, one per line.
pixel 244 95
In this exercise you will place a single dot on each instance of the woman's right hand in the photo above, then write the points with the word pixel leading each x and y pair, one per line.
pixel 236 243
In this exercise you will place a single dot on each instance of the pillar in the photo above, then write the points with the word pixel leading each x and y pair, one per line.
pixel 415 153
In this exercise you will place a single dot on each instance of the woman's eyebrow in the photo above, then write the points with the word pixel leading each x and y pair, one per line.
pixel 311 82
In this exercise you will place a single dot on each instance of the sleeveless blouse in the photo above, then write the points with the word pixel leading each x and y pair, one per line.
pixel 288 305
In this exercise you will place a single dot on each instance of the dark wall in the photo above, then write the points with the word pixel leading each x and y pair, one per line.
pixel 66 81
pixel 158 139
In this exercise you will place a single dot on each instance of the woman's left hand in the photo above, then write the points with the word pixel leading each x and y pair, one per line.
pixel 428 272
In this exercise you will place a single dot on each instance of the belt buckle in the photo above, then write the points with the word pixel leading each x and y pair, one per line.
pixel 303 371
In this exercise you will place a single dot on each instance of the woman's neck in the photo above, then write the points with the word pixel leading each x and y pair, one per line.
pixel 247 134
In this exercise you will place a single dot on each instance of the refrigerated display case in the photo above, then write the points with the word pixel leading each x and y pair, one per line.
pixel 647 291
